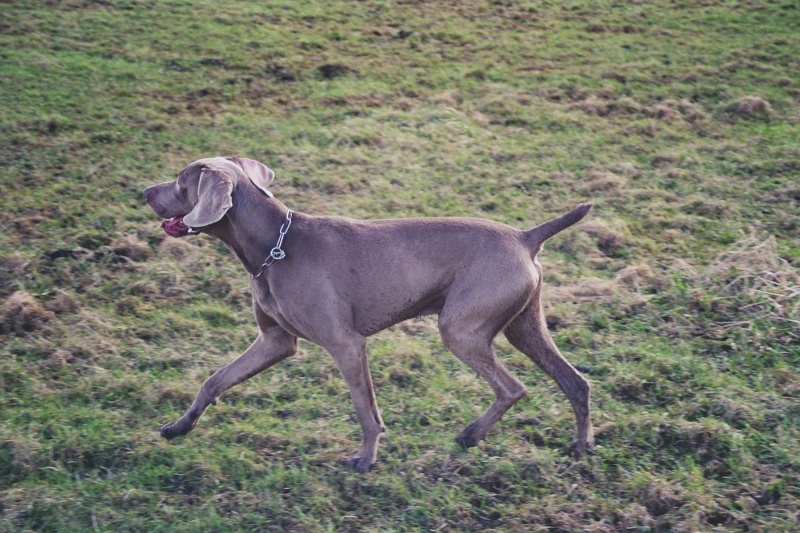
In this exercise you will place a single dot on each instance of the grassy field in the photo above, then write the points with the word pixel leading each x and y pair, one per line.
pixel 679 120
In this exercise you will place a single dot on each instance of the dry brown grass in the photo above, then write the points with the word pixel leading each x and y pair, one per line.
pixel 59 358
pixel 586 290
pixel 755 269
pixel 748 282
pixel 603 182
pixel 671 110
pixel 608 240
pixel 64 302
pixel 751 106
pixel 635 277
pixel 176 248
pixel 21 312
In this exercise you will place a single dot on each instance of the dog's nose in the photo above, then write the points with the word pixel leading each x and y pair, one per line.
pixel 147 192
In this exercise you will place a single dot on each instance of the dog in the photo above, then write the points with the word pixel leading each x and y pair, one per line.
pixel 335 281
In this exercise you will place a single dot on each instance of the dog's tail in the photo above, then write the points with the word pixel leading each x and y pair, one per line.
pixel 536 236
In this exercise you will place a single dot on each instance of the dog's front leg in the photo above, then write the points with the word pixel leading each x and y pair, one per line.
pixel 350 356
pixel 272 346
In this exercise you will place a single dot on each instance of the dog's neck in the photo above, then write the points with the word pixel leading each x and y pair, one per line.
pixel 251 227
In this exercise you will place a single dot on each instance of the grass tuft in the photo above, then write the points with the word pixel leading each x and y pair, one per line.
pixel 21 313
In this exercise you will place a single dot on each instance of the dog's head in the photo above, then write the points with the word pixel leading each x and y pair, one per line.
pixel 203 192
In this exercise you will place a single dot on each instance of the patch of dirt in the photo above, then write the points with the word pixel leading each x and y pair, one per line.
pixel 281 73
pixel 132 247
pixel 661 112
pixel 631 391
pixel 590 105
pixel 691 111
pixel 606 107
pixel 623 106
pixel 614 75
pixel 28 227
pixel 61 253
pixel 401 377
pixel 659 498
pixel 597 27
pixel 663 160
pixel 331 71
pixel 366 100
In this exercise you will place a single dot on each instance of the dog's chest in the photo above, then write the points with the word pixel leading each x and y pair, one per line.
pixel 269 305
pixel 265 299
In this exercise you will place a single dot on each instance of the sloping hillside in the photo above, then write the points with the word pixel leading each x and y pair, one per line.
pixel 680 293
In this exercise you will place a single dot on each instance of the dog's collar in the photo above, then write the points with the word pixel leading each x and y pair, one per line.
pixel 277 253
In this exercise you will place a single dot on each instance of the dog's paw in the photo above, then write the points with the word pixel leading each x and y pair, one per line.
pixel 578 448
pixel 176 429
pixel 469 438
pixel 362 465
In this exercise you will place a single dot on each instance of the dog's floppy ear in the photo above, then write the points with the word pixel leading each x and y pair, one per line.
pixel 259 174
pixel 213 199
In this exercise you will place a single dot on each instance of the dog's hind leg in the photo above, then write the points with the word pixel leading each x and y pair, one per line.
pixel 472 344
pixel 272 346
pixel 528 333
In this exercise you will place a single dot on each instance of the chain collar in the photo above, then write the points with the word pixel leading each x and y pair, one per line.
pixel 277 253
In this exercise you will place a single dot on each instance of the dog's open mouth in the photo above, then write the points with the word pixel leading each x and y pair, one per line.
pixel 175 227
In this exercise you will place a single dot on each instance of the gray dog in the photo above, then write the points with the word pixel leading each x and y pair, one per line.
pixel 480 277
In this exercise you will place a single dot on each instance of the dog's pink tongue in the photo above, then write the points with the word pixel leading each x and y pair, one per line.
pixel 175 227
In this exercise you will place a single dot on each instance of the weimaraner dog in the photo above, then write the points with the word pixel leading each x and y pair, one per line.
pixel 335 281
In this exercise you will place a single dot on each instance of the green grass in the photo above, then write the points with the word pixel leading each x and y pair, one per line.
pixel 680 293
